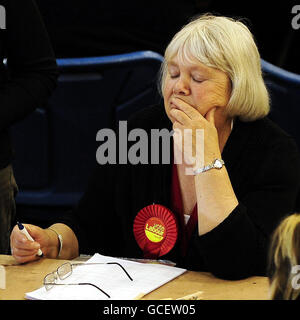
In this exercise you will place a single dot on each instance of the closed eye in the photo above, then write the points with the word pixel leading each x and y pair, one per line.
pixel 197 80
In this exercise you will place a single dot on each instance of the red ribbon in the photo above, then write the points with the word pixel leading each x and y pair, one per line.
pixel 155 230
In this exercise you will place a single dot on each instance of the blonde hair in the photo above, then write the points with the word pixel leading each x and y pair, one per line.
pixel 284 254
pixel 228 45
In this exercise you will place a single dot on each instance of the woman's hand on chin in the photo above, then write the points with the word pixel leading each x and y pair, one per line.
pixel 195 136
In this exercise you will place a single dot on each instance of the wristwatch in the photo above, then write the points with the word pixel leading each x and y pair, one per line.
pixel 216 164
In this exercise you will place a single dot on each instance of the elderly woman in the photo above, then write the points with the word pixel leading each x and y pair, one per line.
pixel 245 181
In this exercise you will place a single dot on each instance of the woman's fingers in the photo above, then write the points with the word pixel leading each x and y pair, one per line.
pixel 179 116
pixel 25 244
pixel 183 113
pixel 17 251
pixel 24 255
pixel 23 250
pixel 25 258
pixel 187 109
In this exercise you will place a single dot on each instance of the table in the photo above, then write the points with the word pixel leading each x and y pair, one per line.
pixel 28 277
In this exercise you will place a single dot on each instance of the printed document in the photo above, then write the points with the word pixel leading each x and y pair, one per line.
pixel 110 278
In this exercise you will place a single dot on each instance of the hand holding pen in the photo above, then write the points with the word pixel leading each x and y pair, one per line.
pixel 27 242
pixel 28 236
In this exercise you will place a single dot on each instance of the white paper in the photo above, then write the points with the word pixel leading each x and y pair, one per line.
pixel 111 279
pixel 2 278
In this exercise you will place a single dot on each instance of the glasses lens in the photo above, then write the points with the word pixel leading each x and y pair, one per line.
pixel 64 270
pixel 49 280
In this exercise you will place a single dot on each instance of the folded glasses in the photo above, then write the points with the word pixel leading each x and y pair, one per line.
pixel 66 269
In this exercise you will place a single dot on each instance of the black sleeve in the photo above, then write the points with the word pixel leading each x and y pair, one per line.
pixel 30 60
pixel 238 247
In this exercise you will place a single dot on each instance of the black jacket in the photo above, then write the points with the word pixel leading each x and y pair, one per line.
pixel 31 72
pixel 264 169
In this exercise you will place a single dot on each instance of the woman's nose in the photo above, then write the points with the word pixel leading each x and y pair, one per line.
pixel 181 87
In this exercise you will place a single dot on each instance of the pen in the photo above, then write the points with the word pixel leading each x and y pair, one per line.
pixel 28 236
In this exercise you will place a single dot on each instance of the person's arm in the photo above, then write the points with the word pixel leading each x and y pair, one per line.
pixel 215 196
pixel 238 246
pixel 89 228
pixel 30 60
pixel 24 250
pixel 69 242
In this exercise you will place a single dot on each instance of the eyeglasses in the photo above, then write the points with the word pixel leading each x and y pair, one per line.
pixel 66 269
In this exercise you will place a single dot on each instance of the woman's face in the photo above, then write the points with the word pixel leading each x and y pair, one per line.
pixel 196 84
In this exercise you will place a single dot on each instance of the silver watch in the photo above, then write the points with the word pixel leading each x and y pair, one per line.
pixel 216 164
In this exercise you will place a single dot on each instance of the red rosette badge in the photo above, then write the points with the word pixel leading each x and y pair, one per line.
pixel 155 230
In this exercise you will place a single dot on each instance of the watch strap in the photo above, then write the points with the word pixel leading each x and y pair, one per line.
pixel 216 164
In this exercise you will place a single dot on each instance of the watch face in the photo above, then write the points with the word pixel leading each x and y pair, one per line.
pixel 218 164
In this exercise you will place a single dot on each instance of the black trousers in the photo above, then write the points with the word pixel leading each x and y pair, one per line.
pixel 8 191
